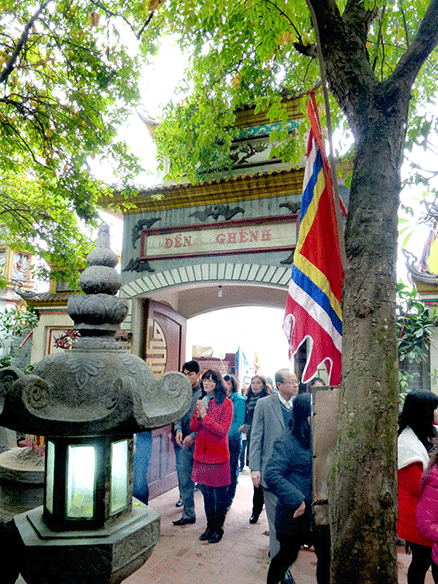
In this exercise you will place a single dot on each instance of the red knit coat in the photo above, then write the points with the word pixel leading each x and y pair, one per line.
pixel 408 495
pixel 211 443
pixel 427 510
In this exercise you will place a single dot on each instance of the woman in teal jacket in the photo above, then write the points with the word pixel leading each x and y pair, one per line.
pixel 234 436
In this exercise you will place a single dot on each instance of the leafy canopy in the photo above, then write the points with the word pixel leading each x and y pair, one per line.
pixel 69 73
pixel 253 52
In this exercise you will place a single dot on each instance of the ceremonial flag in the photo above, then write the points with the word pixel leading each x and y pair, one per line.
pixel 256 363
pixel 313 308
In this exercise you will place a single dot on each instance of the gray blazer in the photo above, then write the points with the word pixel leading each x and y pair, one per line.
pixel 267 426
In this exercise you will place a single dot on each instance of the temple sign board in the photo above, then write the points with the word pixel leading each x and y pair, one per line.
pixel 270 234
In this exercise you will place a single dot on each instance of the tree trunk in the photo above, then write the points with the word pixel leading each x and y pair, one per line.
pixel 364 491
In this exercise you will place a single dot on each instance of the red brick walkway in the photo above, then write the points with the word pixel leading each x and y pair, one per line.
pixel 240 558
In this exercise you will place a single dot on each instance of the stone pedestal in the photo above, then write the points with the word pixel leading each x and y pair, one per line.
pixel 21 489
pixel 21 482
pixel 104 556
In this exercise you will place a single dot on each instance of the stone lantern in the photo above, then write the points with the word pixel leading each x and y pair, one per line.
pixel 88 402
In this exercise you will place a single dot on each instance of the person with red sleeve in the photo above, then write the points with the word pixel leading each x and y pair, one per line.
pixel 427 510
pixel 211 459
pixel 416 429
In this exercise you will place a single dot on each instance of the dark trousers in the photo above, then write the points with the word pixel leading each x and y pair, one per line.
pixel 257 501
pixel 421 562
pixel 234 446
pixel 215 505
pixel 289 548
pixel 243 454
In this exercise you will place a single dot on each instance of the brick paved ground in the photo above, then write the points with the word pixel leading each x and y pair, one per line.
pixel 240 558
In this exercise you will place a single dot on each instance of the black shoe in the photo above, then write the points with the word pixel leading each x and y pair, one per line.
pixel 206 535
pixel 288 578
pixel 216 536
pixel 185 521
pixel 178 503
pixel 254 518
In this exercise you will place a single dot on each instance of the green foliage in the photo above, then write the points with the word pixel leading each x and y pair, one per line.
pixel 415 326
pixel 14 323
pixel 246 52
pixel 69 76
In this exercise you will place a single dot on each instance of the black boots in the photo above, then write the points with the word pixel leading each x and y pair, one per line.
pixel 207 533
pixel 214 531
pixel 216 536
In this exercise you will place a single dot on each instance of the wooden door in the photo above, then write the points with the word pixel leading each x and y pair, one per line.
pixel 164 351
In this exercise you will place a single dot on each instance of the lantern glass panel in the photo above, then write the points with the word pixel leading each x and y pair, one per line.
pixel 81 470
pixel 50 475
pixel 119 475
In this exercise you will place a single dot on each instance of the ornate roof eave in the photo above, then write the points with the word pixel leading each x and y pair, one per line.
pixel 272 183
pixel 47 299
pixel 39 299
pixel 246 118
pixel 425 282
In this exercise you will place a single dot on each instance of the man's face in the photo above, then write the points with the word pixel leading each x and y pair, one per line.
pixel 289 387
pixel 192 376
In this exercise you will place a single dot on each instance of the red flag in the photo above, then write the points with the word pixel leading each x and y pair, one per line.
pixel 313 308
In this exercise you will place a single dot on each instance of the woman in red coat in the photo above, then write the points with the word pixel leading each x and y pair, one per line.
pixel 211 460
pixel 415 432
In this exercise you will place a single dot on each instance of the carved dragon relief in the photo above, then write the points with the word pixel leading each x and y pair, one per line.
pixel 138 265
pixel 216 211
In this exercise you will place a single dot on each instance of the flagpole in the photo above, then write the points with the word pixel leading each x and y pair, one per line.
pixel 330 139
pixel 240 363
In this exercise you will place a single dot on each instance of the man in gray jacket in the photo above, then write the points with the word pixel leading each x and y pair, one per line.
pixel 271 417
pixel 185 439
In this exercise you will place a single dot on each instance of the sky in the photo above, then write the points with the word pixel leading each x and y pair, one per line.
pixel 255 329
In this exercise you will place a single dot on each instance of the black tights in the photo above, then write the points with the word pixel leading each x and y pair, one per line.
pixel 215 506
pixel 289 548
pixel 421 562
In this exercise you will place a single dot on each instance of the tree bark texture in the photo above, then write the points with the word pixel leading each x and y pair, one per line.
pixel 364 489
pixel 363 497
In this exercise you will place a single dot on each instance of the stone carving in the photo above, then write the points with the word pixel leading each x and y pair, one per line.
pixel 140 226
pixel 242 152
pixel 289 260
pixel 116 391
pixel 293 207
pixel 138 265
pixel 217 211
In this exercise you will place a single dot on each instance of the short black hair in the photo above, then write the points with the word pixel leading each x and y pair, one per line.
pixel 316 380
pixel 191 366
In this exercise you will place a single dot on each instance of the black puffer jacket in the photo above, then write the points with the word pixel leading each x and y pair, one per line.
pixel 288 473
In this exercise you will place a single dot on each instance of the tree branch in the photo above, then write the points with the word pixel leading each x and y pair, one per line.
pixel 21 42
pixel 358 18
pixel 421 47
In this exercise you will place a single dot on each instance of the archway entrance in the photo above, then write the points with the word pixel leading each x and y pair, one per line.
pixel 226 242
pixel 235 314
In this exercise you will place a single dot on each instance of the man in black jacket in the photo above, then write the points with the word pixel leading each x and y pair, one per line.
pixel 185 439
